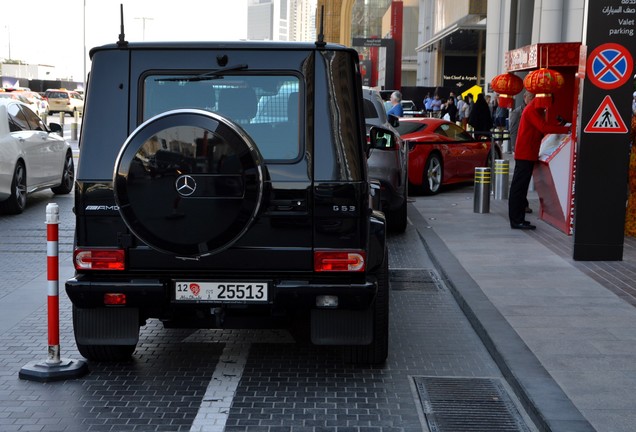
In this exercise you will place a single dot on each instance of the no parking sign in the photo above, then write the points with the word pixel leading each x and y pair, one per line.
pixel 609 66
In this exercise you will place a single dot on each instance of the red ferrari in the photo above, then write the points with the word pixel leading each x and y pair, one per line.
pixel 441 153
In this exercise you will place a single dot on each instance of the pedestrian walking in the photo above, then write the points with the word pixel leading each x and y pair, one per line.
pixel 515 116
pixel 460 106
pixel 480 118
pixel 532 128
pixel 465 113
pixel 436 106
pixel 427 102
pixel 450 109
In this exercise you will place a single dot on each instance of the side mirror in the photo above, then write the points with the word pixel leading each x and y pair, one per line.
pixel 56 128
pixel 380 138
pixel 394 120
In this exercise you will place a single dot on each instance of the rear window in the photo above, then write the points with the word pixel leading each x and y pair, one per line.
pixel 369 109
pixel 268 107
pixel 406 127
pixel 57 95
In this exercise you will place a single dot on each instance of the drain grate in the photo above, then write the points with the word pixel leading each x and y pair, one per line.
pixel 468 404
pixel 414 280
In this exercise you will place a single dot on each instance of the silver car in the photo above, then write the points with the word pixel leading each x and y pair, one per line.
pixel 33 156
pixel 387 164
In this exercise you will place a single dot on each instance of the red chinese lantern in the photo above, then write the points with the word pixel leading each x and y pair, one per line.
pixel 543 82
pixel 507 85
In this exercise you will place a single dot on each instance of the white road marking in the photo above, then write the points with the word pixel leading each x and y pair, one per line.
pixel 217 401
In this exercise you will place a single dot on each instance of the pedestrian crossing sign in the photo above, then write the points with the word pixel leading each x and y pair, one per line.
pixel 606 119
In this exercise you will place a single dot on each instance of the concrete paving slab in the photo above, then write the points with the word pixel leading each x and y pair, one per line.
pixel 578 328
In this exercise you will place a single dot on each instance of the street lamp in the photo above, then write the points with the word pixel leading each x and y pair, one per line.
pixel 9 39
pixel 143 28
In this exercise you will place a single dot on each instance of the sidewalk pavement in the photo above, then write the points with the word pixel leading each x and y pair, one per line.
pixel 548 321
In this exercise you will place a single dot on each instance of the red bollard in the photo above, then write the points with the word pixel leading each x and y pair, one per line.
pixel 54 368
pixel 52 280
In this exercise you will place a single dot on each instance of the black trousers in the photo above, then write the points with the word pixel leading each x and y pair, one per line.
pixel 517 200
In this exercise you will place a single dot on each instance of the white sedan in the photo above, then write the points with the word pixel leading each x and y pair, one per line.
pixel 33 156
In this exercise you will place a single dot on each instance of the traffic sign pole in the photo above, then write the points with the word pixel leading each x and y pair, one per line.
pixel 602 159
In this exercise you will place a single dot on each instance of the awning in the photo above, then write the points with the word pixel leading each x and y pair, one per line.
pixel 469 22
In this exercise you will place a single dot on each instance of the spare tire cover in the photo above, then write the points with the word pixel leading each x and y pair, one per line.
pixel 188 182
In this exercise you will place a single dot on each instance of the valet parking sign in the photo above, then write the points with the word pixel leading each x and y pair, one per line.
pixel 606 69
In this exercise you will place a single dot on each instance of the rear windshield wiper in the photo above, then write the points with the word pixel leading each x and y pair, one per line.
pixel 216 74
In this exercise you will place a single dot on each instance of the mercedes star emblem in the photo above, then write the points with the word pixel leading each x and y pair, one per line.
pixel 185 185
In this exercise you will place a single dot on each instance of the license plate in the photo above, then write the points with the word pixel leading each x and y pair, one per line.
pixel 223 292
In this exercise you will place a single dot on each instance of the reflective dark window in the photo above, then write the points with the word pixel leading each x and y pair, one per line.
pixel 35 122
pixel 17 117
pixel 267 107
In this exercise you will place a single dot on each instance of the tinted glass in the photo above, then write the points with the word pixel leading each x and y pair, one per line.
pixel 35 122
pixel 454 132
pixel 17 117
pixel 369 109
pixel 406 127
pixel 266 106
pixel 58 95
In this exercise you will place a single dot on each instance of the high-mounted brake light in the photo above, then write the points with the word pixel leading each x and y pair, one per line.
pixel 339 261
pixel 99 259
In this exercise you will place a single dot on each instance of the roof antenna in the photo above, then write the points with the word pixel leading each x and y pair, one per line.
pixel 320 43
pixel 121 43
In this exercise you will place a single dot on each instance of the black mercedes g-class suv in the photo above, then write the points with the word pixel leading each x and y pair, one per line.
pixel 224 185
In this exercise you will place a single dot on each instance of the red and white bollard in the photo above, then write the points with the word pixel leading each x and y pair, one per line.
pixel 54 368
pixel 52 282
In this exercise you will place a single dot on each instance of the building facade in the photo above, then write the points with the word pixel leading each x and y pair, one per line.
pixel 517 23
pixel 458 43
pixel 268 20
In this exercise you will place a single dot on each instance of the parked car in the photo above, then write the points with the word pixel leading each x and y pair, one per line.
pixel 205 214
pixel 33 156
pixel 36 102
pixel 410 109
pixel 441 153
pixel 387 162
pixel 15 96
pixel 62 100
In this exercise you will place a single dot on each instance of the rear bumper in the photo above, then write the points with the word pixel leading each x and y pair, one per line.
pixel 156 296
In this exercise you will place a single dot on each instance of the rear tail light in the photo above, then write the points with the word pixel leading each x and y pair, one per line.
pixel 99 259
pixel 114 299
pixel 339 261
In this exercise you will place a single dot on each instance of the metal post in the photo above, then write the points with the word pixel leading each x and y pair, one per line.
pixel 61 114
pixel 74 126
pixel 482 190
pixel 502 173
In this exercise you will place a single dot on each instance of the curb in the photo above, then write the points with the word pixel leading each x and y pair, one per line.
pixel 543 399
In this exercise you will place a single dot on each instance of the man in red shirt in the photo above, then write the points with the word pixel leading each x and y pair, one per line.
pixel 532 128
